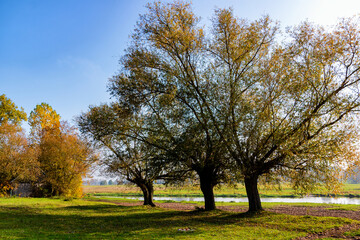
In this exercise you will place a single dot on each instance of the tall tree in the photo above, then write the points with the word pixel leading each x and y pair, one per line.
pixel 64 158
pixel 164 77
pixel 291 106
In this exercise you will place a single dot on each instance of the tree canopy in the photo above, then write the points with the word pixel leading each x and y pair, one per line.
pixel 9 112
pixel 43 118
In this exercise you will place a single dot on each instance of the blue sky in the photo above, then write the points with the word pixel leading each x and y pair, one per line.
pixel 63 52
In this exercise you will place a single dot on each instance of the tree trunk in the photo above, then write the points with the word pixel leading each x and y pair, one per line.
pixel 150 195
pixel 148 192
pixel 253 193
pixel 207 188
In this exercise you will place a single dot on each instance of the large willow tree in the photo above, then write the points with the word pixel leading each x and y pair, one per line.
pixel 129 151
pixel 237 98
pixel 290 105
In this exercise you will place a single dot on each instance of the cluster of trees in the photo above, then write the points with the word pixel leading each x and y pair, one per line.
pixel 231 103
pixel 104 182
pixel 53 158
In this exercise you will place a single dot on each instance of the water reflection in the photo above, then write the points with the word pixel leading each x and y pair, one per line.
pixel 330 200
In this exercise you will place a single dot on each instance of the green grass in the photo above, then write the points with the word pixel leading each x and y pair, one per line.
pixel 27 218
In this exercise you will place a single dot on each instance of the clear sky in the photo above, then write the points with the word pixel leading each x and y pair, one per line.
pixel 63 52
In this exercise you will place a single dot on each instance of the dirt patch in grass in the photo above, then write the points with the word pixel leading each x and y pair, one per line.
pixel 315 211
pixel 320 211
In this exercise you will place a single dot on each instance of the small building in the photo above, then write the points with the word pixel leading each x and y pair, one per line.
pixel 22 190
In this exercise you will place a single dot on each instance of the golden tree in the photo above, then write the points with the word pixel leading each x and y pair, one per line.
pixel 64 157
pixel 18 160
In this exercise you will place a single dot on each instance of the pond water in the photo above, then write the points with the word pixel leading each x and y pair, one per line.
pixel 330 200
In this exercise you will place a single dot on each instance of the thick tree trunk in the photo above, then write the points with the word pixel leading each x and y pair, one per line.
pixel 148 192
pixel 253 193
pixel 207 188
pixel 150 195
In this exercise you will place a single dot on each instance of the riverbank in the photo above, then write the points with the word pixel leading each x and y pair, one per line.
pixel 347 190
pixel 308 199
pixel 314 209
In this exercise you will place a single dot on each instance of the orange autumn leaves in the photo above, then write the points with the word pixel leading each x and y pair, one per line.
pixel 18 159
pixel 53 158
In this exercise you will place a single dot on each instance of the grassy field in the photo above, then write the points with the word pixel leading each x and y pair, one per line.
pixel 27 218
pixel 352 190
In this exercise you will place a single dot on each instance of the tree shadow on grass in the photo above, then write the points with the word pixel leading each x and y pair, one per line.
pixel 92 222
pixel 94 208
pixel 110 221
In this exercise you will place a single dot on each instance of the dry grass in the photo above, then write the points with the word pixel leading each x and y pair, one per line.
pixel 110 189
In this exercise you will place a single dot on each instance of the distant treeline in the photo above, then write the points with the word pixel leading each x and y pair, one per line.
pixel 94 182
